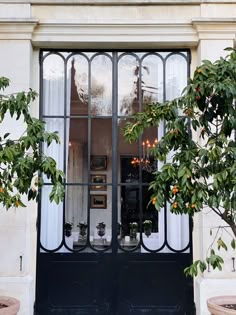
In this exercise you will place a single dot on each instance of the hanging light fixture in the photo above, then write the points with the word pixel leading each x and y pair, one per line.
pixel 147 161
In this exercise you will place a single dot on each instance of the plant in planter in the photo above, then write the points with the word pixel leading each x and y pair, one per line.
pixel 133 230
pixel 22 164
pixel 147 227
pixel 101 227
pixel 68 229
pixel 201 173
pixel 82 229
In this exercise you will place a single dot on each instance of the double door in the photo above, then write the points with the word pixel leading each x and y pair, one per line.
pixel 87 97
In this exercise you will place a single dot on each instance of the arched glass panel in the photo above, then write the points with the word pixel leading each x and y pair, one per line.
pixel 53 85
pixel 176 75
pixel 78 68
pixel 101 86
pixel 128 85
pixel 152 79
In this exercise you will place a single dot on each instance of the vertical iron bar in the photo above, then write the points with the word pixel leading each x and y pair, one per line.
pixel 188 60
pixel 64 148
pixel 140 182
pixel 164 131
pixel 40 148
pixel 114 151
pixel 89 145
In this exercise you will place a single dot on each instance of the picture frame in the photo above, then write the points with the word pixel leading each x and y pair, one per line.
pixel 97 180
pixel 98 162
pixel 98 201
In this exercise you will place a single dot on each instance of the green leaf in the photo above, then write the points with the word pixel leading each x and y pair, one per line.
pixel 6 135
pixel 233 243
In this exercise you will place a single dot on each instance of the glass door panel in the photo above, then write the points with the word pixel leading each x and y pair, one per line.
pixel 101 183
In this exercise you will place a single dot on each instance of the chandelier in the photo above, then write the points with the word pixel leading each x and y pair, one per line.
pixel 147 161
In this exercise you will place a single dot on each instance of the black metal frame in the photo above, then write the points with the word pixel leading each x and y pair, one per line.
pixel 115 59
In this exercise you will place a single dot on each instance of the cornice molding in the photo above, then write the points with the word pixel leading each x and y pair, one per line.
pixel 118 2
pixel 215 28
pixel 116 32
pixel 168 33
pixel 17 28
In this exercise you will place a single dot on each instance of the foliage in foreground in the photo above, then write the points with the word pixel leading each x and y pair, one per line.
pixel 22 163
pixel 201 174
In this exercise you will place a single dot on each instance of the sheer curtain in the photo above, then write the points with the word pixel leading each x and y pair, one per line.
pixel 177 225
pixel 53 105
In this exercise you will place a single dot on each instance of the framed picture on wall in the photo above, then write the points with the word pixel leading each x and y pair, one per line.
pixel 98 201
pixel 98 162
pixel 97 180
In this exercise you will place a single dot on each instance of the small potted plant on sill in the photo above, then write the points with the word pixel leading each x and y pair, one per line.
pixel 101 227
pixel 133 226
pixel 147 227
pixel 82 229
pixel 68 229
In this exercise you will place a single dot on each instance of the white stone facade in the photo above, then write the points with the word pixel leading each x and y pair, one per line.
pixel 205 27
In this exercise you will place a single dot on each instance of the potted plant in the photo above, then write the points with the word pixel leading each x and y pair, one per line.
pixel 101 227
pixel 23 162
pixel 68 229
pixel 147 227
pixel 133 229
pixel 82 229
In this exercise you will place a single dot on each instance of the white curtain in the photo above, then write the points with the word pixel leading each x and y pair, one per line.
pixel 76 201
pixel 177 225
pixel 53 100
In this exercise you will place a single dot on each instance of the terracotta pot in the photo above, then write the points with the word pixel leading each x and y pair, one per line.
pixel 215 307
pixel 12 308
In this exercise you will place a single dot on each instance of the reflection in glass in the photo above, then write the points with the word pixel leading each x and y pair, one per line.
pixel 152 80
pixel 176 76
pixel 101 144
pixel 79 85
pixel 128 82
pixel 148 162
pixel 101 86
pixel 77 158
pixel 125 147
pixel 53 85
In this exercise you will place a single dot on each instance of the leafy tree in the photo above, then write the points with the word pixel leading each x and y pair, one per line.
pixel 201 173
pixel 22 163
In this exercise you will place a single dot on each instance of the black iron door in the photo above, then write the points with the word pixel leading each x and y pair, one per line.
pixel 104 284
pixel 95 253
